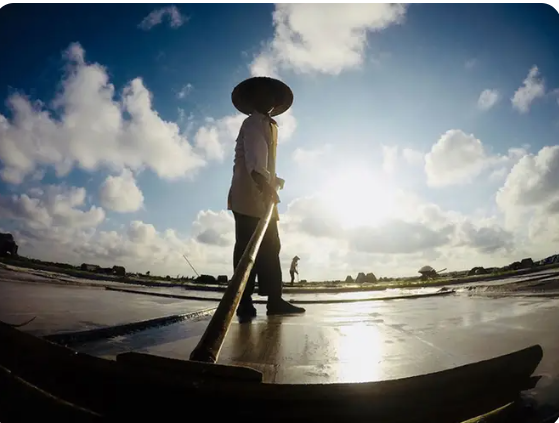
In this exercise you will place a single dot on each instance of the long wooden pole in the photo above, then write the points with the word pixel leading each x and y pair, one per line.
pixel 210 344
pixel 188 261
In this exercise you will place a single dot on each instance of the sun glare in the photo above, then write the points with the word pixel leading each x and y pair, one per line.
pixel 358 198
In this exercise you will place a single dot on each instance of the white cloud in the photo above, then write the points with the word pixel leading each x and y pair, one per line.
pixel 415 233
pixel 184 91
pixel 50 215
pixel 532 182
pixel 53 223
pixel 214 228
pixel 264 65
pixel 532 88
pixel 120 193
pixel 140 232
pixel 215 140
pixel 458 158
pixel 389 158
pixel 399 237
pixel 499 174
pixel 413 157
pixel 92 130
pixel 486 236
pixel 310 156
pixel 327 38
pixel 529 198
pixel 287 124
pixel 487 99
pixel 156 17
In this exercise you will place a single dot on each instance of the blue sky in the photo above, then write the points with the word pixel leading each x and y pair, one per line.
pixel 369 82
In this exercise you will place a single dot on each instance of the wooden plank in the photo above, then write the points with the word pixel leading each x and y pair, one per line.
pixel 179 368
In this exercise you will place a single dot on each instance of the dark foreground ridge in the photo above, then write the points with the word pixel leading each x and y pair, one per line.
pixel 56 382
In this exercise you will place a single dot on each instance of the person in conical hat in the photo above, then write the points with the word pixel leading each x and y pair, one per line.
pixel 253 186
pixel 293 269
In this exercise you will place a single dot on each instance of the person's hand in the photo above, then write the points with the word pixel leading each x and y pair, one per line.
pixel 268 190
pixel 280 182
pixel 270 193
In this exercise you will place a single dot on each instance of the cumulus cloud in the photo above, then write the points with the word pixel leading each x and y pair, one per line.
pixel 532 88
pixel 55 223
pixel 156 17
pixel 532 182
pixel 87 127
pixel 413 227
pixel 399 237
pixel 458 158
pixel 529 199
pixel 287 124
pixel 51 206
pixel 50 216
pixel 326 38
pixel 311 216
pixel 120 193
pixel 487 99
pixel 487 236
pixel 214 228
pixel 415 232
pixel 455 158
pixel 215 140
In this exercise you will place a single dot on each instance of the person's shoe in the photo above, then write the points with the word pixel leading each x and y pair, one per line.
pixel 246 311
pixel 283 307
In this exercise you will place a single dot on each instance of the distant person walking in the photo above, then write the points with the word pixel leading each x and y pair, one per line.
pixel 293 269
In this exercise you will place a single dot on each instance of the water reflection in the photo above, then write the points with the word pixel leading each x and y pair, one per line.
pixel 360 350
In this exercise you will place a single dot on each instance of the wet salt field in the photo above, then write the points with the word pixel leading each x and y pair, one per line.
pixel 364 341
pixel 361 341
pixel 68 308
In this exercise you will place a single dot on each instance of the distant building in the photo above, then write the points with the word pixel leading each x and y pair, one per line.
pixel 119 270
pixel 90 267
pixel 368 278
pixel 526 263
pixel 8 245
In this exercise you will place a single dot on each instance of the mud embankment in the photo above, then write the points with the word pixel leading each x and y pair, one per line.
pixel 541 285
pixel 48 274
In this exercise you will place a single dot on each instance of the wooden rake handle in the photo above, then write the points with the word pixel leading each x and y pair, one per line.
pixel 210 344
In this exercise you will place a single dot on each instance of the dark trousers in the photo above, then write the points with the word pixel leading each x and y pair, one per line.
pixel 292 276
pixel 267 265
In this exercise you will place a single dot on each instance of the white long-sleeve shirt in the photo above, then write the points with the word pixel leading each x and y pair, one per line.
pixel 293 268
pixel 255 137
